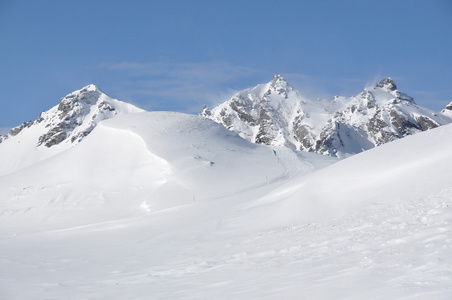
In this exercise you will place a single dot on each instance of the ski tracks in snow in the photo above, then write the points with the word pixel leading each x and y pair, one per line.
pixel 404 246
pixel 390 250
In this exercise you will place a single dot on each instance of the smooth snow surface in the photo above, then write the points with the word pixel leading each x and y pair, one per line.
pixel 173 206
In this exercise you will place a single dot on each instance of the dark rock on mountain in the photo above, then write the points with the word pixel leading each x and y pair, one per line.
pixel 276 114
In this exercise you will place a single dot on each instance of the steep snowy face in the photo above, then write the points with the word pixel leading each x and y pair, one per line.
pixel 276 114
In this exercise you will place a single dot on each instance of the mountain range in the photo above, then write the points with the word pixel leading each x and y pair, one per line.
pixel 275 113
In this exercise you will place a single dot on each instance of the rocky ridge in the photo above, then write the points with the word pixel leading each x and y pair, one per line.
pixel 276 114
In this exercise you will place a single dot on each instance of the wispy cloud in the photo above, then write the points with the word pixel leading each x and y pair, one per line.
pixel 213 71
pixel 327 87
pixel 435 100
pixel 4 130
pixel 183 87
pixel 186 87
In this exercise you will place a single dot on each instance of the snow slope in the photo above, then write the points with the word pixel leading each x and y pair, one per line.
pixel 171 206
pixel 142 162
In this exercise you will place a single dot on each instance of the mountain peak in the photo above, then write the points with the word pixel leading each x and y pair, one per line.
pixel 279 82
pixel 280 86
pixel 387 84
pixel 84 97
pixel 91 87
pixel 277 77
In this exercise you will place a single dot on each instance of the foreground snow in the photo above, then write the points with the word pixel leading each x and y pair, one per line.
pixel 170 206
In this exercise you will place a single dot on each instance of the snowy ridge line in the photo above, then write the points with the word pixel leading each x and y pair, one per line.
pixel 276 114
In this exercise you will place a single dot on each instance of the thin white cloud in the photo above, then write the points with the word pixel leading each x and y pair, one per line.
pixel 325 87
pixel 214 71
pixel 184 85
pixel 4 130
pixel 434 100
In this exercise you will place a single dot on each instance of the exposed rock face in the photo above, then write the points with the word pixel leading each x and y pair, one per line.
pixel 276 114
pixel 71 113
pixel 260 114
pixel 387 84
pixel 74 117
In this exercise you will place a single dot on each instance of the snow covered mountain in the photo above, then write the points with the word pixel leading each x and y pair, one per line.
pixel 59 128
pixel 276 114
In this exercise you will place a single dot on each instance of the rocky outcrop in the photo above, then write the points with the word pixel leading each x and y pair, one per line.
pixel 387 84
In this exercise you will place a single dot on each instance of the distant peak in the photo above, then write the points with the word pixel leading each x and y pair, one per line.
pixel 85 94
pixel 387 84
pixel 90 88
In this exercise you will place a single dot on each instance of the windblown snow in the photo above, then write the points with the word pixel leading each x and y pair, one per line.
pixel 163 205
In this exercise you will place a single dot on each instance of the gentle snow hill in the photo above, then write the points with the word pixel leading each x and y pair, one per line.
pixel 412 168
pixel 139 163
pixel 59 128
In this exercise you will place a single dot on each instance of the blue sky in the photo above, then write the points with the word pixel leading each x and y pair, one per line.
pixel 179 55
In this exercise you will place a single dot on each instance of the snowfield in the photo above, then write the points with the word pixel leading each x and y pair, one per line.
pixel 161 205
